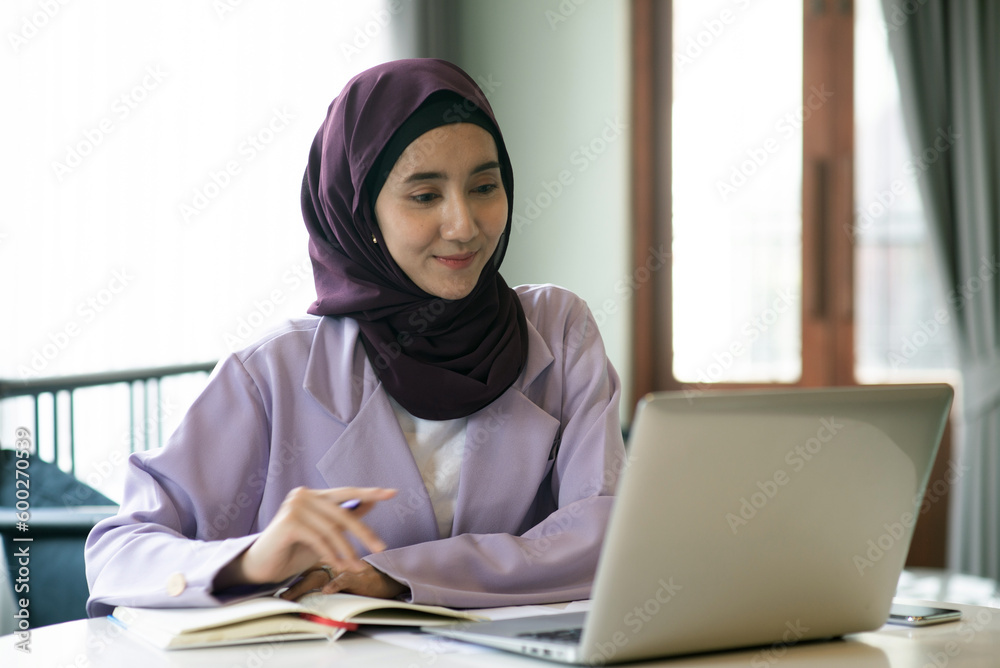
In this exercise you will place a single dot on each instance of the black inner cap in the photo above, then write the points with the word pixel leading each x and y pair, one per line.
pixel 441 108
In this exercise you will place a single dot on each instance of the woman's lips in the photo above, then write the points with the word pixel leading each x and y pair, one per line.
pixel 460 261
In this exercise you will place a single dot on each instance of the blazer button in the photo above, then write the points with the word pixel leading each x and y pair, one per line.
pixel 176 584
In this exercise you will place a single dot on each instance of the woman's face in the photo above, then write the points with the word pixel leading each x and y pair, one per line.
pixel 443 208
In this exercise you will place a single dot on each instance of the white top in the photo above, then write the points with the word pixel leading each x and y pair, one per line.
pixel 437 447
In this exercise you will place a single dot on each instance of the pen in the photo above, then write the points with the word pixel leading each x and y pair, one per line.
pixel 351 504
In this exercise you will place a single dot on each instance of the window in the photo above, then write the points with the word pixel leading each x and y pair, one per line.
pixel 737 183
pixel 837 217
pixel 800 254
pixel 150 187
pixel 904 330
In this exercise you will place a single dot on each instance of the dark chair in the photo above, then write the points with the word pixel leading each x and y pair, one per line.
pixel 63 511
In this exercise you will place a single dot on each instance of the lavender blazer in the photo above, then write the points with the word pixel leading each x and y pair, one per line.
pixel 303 407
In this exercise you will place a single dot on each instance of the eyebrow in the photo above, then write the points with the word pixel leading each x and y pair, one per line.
pixel 432 176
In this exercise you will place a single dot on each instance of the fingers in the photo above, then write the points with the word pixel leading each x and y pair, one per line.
pixel 310 581
pixel 369 581
pixel 366 582
pixel 362 499
pixel 340 583
pixel 325 581
pixel 312 527
pixel 350 520
pixel 319 522
pixel 322 528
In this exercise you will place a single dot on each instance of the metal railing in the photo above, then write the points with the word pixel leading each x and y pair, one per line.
pixel 143 384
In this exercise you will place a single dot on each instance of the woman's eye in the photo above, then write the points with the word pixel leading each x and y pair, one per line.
pixel 485 189
pixel 424 198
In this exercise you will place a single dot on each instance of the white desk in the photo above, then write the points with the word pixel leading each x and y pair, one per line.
pixel 973 642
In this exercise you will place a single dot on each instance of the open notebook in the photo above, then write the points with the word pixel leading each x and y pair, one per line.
pixel 269 619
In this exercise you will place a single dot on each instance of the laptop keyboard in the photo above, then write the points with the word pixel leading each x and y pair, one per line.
pixel 559 635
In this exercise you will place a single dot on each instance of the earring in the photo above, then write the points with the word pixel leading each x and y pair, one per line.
pixel 374 240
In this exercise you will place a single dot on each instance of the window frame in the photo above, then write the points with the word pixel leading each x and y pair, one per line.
pixel 827 199
pixel 828 324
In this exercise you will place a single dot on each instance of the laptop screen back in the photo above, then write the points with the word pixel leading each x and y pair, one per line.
pixel 750 518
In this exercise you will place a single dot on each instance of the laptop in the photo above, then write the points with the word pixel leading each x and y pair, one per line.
pixel 748 518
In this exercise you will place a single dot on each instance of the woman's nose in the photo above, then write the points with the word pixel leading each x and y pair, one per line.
pixel 460 221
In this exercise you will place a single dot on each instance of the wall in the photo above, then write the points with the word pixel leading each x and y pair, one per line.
pixel 557 74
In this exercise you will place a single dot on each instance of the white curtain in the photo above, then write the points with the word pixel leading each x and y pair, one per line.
pixel 149 187
pixel 152 158
pixel 152 154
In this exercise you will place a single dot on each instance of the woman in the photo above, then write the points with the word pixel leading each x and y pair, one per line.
pixel 472 426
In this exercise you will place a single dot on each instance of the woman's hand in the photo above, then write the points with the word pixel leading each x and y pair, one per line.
pixel 368 581
pixel 309 529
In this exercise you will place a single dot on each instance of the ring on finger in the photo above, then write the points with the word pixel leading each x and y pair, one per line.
pixel 329 571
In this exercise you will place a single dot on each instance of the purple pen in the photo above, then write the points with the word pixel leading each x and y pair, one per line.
pixel 351 504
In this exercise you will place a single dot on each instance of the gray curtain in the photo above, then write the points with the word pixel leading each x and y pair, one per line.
pixel 947 55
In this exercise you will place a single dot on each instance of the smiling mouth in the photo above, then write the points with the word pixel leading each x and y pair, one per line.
pixel 460 261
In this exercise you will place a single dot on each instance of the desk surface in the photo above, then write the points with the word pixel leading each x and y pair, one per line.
pixel 973 642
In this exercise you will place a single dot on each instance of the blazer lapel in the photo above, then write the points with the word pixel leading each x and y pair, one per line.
pixel 506 458
pixel 371 451
pixel 507 452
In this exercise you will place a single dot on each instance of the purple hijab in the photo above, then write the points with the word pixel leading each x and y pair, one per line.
pixel 440 359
